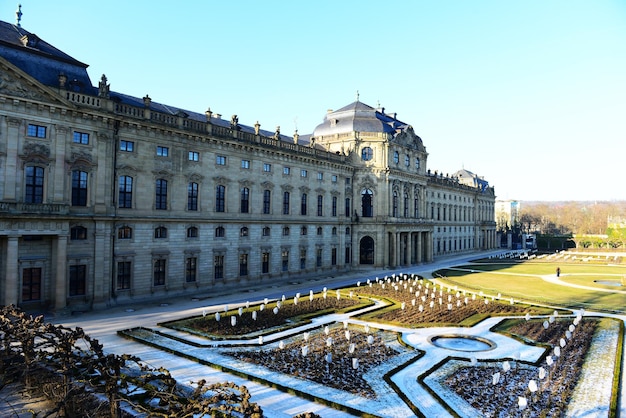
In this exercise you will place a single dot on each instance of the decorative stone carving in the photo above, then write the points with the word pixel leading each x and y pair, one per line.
pixel 12 86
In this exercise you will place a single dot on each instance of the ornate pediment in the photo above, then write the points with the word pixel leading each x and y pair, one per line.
pixel 17 84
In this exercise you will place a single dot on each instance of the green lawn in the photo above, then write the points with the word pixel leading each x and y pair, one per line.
pixel 519 280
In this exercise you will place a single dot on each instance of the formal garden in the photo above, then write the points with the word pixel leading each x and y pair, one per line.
pixel 495 337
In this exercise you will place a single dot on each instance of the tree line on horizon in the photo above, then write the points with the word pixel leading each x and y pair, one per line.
pixel 576 218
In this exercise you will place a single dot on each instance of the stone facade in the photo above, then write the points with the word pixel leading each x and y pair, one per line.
pixel 108 199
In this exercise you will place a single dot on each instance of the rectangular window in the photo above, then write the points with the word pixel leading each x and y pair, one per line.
pixel 318 257
pixel 303 173
pixel 334 208
pixel 220 198
pixel 245 164
pixel 265 263
pixel 286 203
pixel 320 205
pixel 267 167
pixel 285 260
pixel 127 146
pixel 193 156
pixel 220 160
pixel 161 195
pixel 347 207
pixel 333 256
pixel 191 270
pixel 78 280
pixel 34 184
pixel 31 284
pixel 245 200
pixel 218 270
pixel 347 256
pixel 36 131
pixel 266 201
pixel 192 196
pixel 78 233
pixel 125 198
pixel 333 178
pixel 320 176
pixel 123 275
pixel 162 151
pixel 286 170
pixel 243 264
pixel 81 138
pixel 302 258
pixel 303 204
pixel 79 188
pixel 159 272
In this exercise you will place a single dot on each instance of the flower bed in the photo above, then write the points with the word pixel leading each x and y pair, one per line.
pixel 475 384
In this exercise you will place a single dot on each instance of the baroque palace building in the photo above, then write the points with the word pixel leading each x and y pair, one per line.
pixel 107 199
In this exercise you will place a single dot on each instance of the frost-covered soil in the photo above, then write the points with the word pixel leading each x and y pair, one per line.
pixel 346 365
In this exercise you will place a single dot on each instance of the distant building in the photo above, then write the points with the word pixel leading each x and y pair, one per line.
pixel 107 198
pixel 507 214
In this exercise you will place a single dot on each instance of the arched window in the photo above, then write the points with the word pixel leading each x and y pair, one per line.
pixel 366 154
pixel 245 200
pixel 266 231
pixel 192 232
pixel 394 204
pixel 367 208
pixel 220 198
pixel 160 232
pixel 124 232
pixel 125 192
pixel 406 205
pixel 34 184
pixel 243 232
pixel 220 232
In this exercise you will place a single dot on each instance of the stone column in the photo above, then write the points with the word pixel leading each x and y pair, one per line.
pixel 418 250
pixel 398 249
pixel 11 272
pixel 409 248
pixel 60 285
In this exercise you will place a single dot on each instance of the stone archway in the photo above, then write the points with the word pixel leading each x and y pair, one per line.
pixel 366 250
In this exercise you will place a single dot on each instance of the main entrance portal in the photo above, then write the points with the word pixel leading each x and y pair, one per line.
pixel 366 250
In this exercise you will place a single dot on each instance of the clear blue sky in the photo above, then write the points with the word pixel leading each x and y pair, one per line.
pixel 529 94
